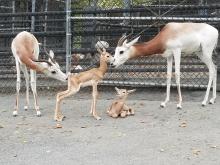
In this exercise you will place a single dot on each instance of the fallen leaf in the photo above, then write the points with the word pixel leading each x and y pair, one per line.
pixel 213 146
pixel 183 124
pixel 162 150
pixel 58 125
pixel 142 104
pixel 196 152
pixel 83 127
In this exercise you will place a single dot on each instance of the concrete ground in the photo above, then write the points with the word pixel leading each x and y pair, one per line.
pixel 153 136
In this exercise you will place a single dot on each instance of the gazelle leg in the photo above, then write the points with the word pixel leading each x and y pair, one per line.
pixel 126 109
pixel 169 75
pixel 212 71
pixel 26 76
pixel 60 96
pixel 18 86
pixel 129 109
pixel 212 100
pixel 123 113
pixel 94 101
pixel 34 90
pixel 177 57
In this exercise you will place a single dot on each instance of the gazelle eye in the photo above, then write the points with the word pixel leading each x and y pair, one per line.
pixel 121 52
pixel 107 56
pixel 53 72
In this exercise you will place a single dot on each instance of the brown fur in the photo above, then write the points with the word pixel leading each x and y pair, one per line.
pixel 154 46
pixel 25 44
pixel 88 78
pixel 118 108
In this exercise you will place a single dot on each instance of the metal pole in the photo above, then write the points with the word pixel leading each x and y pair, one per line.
pixel 68 35
pixel 33 17
pixel 127 5
pixel 45 24
pixel 13 11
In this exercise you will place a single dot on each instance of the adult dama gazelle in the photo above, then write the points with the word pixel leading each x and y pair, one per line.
pixel 25 49
pixel 88 78
pixel 171 41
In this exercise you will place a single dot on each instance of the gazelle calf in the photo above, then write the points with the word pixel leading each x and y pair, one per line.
pixel 88 78
pixel 118 107
pixel 174 38
pixel 25 49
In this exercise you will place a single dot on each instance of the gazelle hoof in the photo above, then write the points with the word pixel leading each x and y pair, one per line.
pixel 203 104
pixel 25 108
pixel 179 106
pixel 38 113
pixel 59 118
pixel 15 113
pixel 212 101
pixel 163 105
pixel 97 118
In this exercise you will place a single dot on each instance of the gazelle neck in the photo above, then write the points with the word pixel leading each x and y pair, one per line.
pixel 37 66
pixel 122 99
pixel 151 47
pixel 103 66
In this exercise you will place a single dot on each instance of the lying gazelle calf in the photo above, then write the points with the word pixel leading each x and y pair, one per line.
pixel 118 107
pixel 88 78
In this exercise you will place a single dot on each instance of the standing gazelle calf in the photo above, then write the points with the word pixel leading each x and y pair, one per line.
pixel 171 41
pixel 88 78
pixel 25 49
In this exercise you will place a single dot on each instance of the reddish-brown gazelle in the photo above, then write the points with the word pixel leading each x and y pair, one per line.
pixel 174 38
pixel 25 49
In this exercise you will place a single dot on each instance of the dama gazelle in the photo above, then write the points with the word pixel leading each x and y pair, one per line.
pixel 118 107
pixel 88 78
pixel 174 38
pixel 25 49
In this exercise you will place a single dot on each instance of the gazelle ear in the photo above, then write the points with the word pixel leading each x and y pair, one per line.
pixel 51 53
pixel 132 42
pixel 125 42
pixel 131 91
pixel 99 50
pixel 117 89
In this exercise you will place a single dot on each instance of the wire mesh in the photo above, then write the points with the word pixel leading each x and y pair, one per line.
pixel 108 20
pixel 49 29
pixel 103 20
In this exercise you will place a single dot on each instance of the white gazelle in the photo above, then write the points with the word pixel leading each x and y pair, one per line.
pixel 174 38
pixel 25 49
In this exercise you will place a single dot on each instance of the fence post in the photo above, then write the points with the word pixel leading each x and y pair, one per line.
pixel 68 35
pixel 13 11
pixel 45 24
pixel 127 5
pixel 33 17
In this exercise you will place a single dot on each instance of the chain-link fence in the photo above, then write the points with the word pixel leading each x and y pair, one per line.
pixel 46 20
pixel 106 20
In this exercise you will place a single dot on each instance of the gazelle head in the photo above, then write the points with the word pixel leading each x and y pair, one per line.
pixel 104 55
pixel 51 68
pixel 123 93
pixel 123 51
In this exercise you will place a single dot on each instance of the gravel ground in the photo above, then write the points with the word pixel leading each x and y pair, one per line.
pixel 153 136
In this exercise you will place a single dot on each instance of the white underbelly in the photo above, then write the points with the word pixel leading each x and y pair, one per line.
pixel 88 83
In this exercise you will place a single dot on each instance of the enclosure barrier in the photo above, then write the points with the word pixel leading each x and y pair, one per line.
pixel 73 30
